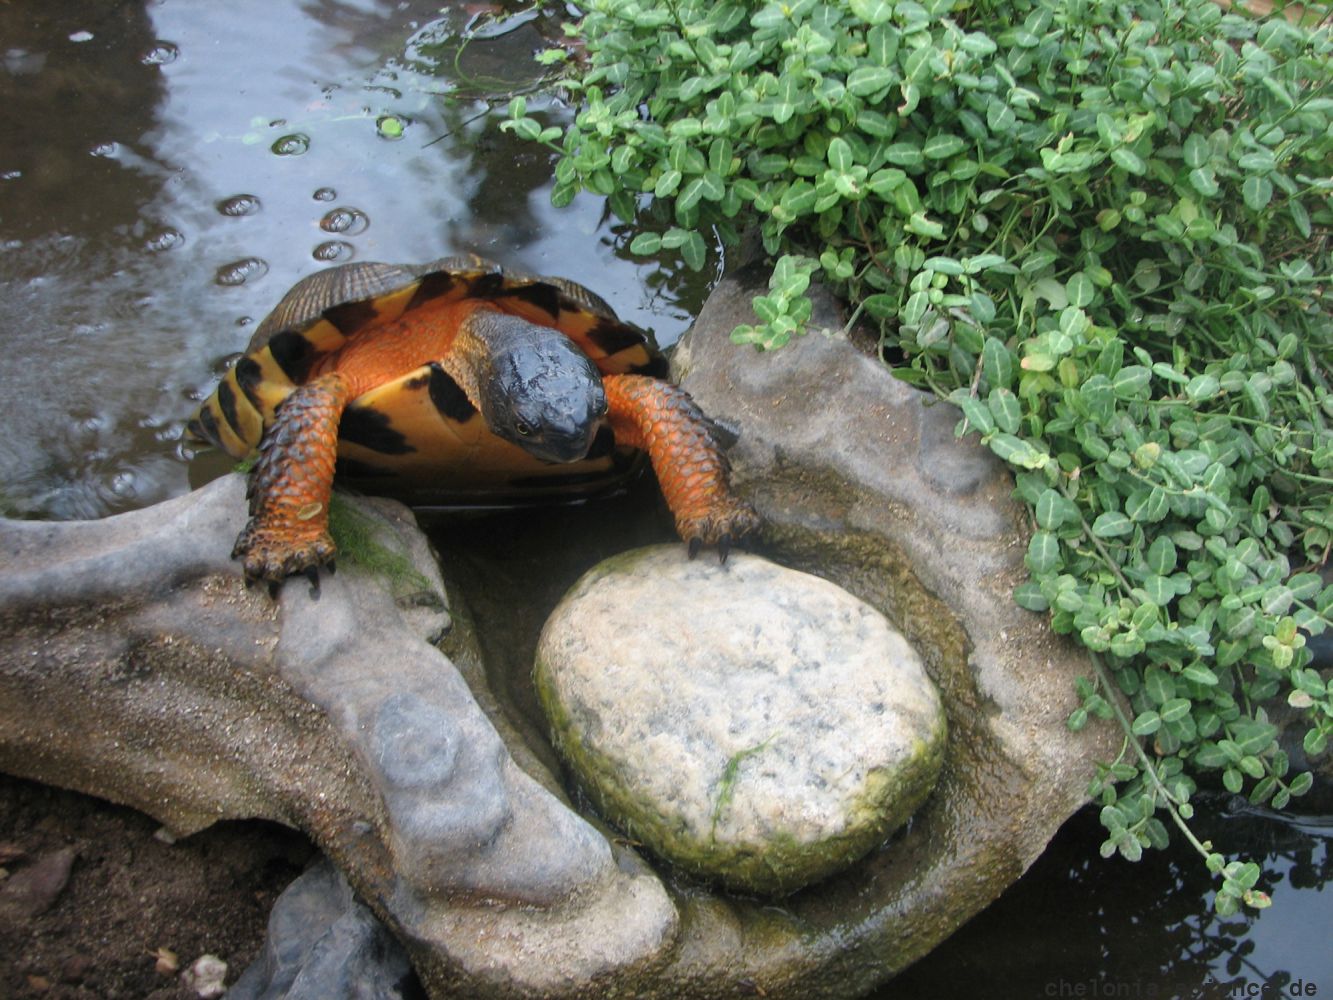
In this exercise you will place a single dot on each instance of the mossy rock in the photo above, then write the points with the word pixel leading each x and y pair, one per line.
pixel 755 725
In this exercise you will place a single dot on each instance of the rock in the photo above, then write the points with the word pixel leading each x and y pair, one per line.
pixel 206 977
pixel 323 942
pixel 33 889
pixel 135 665
pixel 749 723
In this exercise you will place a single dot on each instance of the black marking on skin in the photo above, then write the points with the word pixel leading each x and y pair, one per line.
pixel 614 337
pixel 371 429
pixel 488 286
pixel 349 317
pixel 248 377
pixel 420 382
pixel 293 353
pixel 545 297
pixel 448 398
pixel 205 426
pixel 431 286
pixel 227 405
pixel 657 367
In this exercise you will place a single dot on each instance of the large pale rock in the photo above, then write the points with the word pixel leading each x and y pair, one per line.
pixel 752 724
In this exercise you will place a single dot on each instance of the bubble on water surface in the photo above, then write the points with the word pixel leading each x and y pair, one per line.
pixel 105 149
pixel 333 250
pixel 160 54
pixel 239 205
pixel 325 194
pixel 291 145
pixel 238 272
pixel 10 175
pixel 81 36
pixel 347 221
pixel 164 239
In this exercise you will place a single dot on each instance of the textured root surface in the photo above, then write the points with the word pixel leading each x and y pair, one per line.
pixel 692 470
pixel 291 483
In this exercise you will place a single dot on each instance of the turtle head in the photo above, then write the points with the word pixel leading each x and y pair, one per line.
pixel 544 395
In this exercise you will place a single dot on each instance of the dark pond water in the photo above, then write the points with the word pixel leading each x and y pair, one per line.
pixel 1078 926
pixel 168 168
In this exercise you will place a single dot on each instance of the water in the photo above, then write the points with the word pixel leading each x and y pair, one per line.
pixel 1078 926
pixel 169 168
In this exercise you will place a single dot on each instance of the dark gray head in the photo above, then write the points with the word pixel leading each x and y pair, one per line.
pixel 543 393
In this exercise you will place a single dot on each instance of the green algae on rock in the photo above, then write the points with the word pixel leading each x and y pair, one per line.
pixel 759 727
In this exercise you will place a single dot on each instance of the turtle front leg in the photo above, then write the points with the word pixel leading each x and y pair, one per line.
pixel 664 421
pixel 290 486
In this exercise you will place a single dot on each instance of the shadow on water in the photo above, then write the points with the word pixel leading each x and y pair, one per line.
pixel 1079 926
pixel 169 167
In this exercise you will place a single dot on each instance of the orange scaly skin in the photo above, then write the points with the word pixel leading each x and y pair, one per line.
pixel 291 483
pixel 662 420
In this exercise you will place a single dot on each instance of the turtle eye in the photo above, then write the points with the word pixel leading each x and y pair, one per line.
pixel 523 429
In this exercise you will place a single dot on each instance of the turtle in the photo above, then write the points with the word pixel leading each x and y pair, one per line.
pixel 474 379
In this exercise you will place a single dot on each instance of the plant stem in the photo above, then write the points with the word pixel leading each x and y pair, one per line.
pixel 1147 765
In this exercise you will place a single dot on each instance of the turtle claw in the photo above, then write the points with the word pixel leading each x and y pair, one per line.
pixel 726 525
pixel 272 554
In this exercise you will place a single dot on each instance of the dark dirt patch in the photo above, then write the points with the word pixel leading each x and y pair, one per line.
pixel 94 935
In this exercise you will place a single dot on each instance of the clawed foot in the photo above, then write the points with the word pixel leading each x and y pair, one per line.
pixel 726 522
pixel 272 555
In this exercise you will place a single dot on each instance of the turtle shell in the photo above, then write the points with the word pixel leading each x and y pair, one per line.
pixel 418 436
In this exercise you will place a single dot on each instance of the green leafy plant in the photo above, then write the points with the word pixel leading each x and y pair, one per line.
pixel 1102 230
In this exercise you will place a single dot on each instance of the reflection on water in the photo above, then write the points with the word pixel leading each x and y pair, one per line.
pixel 1078 926
pixel 169 168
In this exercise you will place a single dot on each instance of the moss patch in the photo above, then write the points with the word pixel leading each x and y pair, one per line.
pixel 356 534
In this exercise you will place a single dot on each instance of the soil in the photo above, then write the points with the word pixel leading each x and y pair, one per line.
pixel 93 930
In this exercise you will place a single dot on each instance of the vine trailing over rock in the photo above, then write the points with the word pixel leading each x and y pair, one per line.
pixel 1103 231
